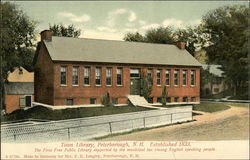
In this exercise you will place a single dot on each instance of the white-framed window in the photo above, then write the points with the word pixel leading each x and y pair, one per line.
pixel 192 77
pixel 158 76
pixel 176 77
pixel 109 76
pixel 86 75
pixel 63 77
pixel 98 74
pixel 25 101
pixel 184 77
pixel 75 75
pixel 119 76
pixel 168 77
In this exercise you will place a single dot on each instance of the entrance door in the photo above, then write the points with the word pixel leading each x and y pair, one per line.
pixel 28 101
pixel 135 81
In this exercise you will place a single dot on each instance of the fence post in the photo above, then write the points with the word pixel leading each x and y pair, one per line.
pixel 171 118
pixel 110 128
pixel 144 122
pixel 68 133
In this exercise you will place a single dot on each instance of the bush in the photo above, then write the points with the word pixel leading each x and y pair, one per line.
pixel 164 96
pixel 105 100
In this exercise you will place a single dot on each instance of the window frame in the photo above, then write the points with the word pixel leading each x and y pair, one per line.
pixel 168 72
pixel 63 84
pixel 176 78
pixel 158 79
pixel 86 68
pixel 184 71
pixel 109 76
pixel 98 77
pixel 75 77
pixel 121 74
pixel 194 77
pixel 90 100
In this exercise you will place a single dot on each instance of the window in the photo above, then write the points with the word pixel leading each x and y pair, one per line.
pixel 184 77
pixel 168 77
pixel 192 77
pixel 63 75
pixel 168 99
pixel 98 76
pixel 216 90
pixel 159 99
pixel 150 99
pixel 184 99
pixel 69 102
pixel 176 77
pixel 158 75
pixel 109 76
pixel 114 100
pixel 86 75
pixel 119 76
pixel 176 99
pixel 92 100
pixel 149 76
pixel 75 76
pixel 192 99
pixel 22 101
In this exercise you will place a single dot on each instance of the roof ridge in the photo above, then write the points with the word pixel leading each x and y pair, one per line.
pixel 163 44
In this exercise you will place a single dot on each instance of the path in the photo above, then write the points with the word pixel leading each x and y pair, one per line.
pixel 231 124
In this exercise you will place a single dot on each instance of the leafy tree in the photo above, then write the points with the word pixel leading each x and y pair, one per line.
pixel 64 31
pixel 164 95
pixel 227 33
pixel 160 35
pixel 17 40
pixel 135 37
pixel 146 88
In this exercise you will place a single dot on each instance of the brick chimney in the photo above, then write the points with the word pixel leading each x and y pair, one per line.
pixel 46 35
pixel 181 44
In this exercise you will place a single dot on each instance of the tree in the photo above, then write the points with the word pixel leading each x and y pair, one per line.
pixel 17 40
pixel 146 88
pixel 227 43
pixel 162 35
pixel 164 95
pixel 135 37
pixel 64 31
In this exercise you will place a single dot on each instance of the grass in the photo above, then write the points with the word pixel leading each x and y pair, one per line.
pixel 40 112
pixel 210 107
pixel 237 104
pixel 140 129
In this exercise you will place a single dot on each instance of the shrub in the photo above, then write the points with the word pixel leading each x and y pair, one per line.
pixel 164 95
pixel 105 100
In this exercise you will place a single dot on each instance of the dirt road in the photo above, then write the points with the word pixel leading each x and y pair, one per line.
pixel 231 124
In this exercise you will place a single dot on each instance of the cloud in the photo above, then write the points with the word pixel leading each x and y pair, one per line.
pixel 132 16
pixel 172 22
pixel 113 16
pixel 74 18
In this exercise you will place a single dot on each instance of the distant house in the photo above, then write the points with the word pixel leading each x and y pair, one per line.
pixel 216 83
pixel 18 90
pixel 74 71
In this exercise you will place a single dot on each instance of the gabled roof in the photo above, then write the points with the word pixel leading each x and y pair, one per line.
pixel 108 51
pixel 20 75
pixel 214 69
pixel 19 88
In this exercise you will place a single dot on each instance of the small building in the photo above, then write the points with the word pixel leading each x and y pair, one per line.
pixel 18 90
pixel 214 81
pixel 74 71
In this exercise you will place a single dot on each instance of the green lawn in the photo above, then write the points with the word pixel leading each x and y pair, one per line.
pixel 210 107
pixel 40 112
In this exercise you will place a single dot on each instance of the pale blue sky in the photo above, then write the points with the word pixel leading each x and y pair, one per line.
pixel 111 20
